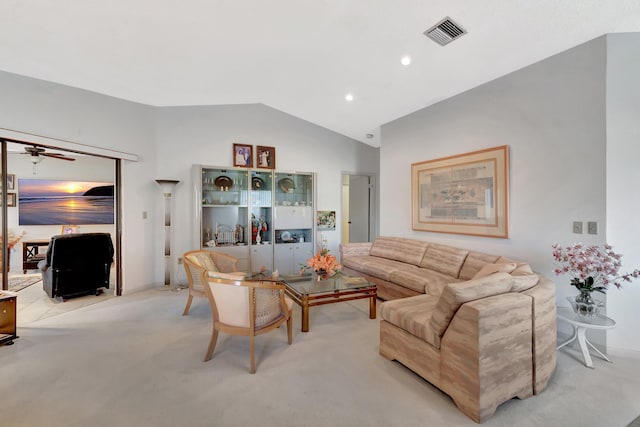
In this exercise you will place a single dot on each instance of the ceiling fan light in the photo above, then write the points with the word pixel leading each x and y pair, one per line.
pixel 36 159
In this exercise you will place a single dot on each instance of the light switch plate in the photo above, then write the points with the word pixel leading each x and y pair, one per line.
pixel 592 227
pixel 577 227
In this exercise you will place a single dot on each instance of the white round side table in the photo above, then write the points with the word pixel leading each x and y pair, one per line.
pixel 580 325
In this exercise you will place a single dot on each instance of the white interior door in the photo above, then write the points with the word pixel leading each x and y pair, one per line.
pixel 356 208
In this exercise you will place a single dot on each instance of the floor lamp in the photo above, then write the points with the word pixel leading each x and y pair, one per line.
pixel 167 186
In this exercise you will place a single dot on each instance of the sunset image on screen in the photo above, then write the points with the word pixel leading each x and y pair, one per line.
pixel 43 201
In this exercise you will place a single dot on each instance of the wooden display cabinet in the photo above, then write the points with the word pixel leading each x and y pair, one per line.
pixel 8 311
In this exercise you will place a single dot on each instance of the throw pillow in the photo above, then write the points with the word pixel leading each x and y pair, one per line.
pixel 456 294
pixel 204 260
pixel 523 282
pixel 522 270
pixel 495 268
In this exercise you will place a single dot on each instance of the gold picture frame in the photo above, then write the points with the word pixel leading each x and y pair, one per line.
pixel 69 229
pixel 11 200
pixel 243 155
pixel 265 157
pixel 462 194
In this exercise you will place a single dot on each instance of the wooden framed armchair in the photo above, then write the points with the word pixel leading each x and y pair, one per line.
pixel 246 308
pixel 202 261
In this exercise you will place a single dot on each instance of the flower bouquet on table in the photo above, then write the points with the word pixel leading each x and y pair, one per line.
pixel 322 263
pixel 593 268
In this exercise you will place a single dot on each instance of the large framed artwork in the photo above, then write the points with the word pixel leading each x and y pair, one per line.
pixel 462 194
pixel 56 202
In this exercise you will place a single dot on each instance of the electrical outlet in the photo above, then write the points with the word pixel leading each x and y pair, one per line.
pixel 180 260
pixel 144 214
pixel 577 227
pixel 592 227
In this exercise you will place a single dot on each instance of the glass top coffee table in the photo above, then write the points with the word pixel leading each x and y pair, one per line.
pixel 308 291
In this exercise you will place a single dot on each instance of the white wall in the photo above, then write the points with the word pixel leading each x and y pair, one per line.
pixel 552 116
pixel 205 135
pixel 56 111
pixel 623 181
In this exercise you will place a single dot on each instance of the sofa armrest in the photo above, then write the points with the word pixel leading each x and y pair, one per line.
pixel 355 249
pixel 486 354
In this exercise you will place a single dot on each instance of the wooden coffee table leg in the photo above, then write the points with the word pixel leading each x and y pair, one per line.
pixel 305 314
pixel 372 306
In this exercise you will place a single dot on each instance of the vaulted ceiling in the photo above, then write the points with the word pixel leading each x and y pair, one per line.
pixel 299 56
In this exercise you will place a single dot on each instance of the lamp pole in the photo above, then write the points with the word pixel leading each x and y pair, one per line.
pixel 167 186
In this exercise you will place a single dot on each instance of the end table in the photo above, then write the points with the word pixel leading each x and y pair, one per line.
pixel 8 311
pixel 580 325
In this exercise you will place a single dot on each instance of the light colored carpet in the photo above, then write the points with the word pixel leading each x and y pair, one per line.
pixel 18 283
pixel 134 360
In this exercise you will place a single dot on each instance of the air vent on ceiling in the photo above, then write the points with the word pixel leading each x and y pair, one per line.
pixel 445 31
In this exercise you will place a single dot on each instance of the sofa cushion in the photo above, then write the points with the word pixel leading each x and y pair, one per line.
pixel 456 294
pixel 474 262
pixel 421 280
pixel 495 268
pixel 401 249
pixel 444 259
pixel 356 262
pixel 411 314
pixel 382 267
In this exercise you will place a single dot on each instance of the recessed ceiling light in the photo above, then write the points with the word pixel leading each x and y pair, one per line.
pixel 406 60
pixel 349 97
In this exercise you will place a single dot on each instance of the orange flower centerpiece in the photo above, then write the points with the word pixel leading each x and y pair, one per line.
pixel 324 264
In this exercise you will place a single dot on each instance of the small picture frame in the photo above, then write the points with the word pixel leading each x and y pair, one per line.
pixel 11 182
pixel 326 220
pixel 265 157
pixel 11 200
pixel 243 155
pixel 69 229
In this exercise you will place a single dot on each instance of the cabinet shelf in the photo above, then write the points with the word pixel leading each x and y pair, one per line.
pixel 251 203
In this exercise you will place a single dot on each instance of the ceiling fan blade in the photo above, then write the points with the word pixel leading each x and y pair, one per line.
pixel 58 156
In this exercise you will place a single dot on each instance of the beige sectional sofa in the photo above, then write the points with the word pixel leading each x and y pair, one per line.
pixel 480 327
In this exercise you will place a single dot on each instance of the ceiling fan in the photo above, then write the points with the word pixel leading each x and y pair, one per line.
pixel 38 153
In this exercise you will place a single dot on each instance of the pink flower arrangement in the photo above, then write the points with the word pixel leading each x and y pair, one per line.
pixel 593 268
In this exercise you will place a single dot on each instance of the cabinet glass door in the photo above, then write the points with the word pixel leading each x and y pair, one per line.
pixel 293 220
pixel 225 199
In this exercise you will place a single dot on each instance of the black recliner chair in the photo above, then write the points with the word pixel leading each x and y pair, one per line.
pixel 77 264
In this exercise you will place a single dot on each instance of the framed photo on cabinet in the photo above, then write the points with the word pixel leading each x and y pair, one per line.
pixel 243 155
pixel 462 194
pixel 266 157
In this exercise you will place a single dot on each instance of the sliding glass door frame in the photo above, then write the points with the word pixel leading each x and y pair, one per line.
pixel 117 212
